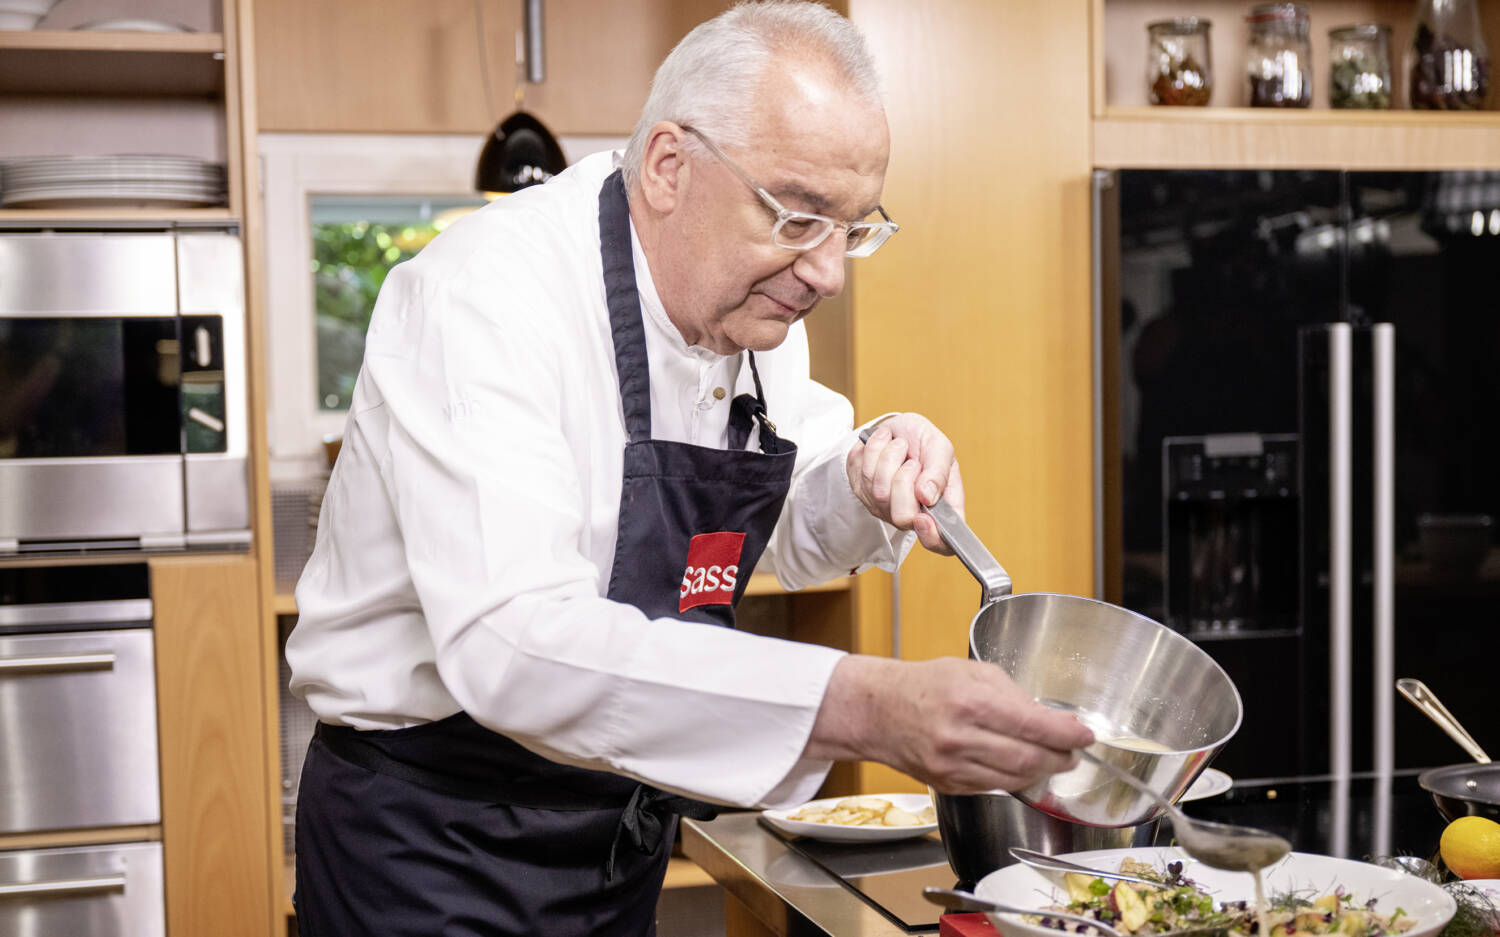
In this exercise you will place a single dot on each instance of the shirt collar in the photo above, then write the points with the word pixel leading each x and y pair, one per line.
pixel 656 313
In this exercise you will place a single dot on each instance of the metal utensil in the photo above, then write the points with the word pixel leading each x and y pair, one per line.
pixel 1427 701
pixel 957 900
pixel 1411 865
pixel 1049 864
pixel 1221 845
pixel 978 828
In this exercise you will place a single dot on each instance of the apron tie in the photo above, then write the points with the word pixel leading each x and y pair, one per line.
pixel 645 819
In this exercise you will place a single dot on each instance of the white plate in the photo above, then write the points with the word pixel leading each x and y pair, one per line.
pixel 1211 783
pixel 135 25
pixel 834 833
pixel 1427 904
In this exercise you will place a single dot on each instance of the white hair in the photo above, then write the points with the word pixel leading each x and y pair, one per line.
pixel 709 79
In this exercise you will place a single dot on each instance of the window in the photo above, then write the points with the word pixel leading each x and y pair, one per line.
pixel 356 240
pixel 340 211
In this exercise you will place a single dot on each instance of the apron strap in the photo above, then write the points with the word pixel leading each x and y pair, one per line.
pixel 624 302
pixel 747 411
pixel 646 817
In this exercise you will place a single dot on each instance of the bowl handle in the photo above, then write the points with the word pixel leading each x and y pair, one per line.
pixel 994 581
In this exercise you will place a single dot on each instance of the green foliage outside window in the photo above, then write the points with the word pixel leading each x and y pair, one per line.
pixel 350 263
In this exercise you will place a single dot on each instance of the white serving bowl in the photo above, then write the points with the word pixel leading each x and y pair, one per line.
pixel 1428 905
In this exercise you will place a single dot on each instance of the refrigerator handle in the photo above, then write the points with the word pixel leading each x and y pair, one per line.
pixel 1340 577
pixel 1383 345
pixel 1104 301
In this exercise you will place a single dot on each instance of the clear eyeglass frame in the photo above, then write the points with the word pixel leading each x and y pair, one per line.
pixel 801 230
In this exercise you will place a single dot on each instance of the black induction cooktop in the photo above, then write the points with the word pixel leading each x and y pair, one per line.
pixel 888 876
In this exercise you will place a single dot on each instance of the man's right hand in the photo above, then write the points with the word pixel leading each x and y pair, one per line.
pixel 961 726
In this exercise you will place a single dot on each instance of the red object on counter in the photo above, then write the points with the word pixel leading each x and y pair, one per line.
pixel 965 925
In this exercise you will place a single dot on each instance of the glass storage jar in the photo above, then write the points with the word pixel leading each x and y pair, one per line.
pixel 1279 59
pixel 1178 67
pixel 1359 73
pixel 1447 65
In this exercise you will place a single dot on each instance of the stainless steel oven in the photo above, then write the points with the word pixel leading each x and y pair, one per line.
pixel 77 699
pixel 83 891
pixel 122 390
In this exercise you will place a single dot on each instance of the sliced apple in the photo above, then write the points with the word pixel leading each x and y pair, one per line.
pixel 1077 885
pixel 1133 911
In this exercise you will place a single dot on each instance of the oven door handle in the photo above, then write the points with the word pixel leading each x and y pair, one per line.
pixel 72 616
pixel 63 886
pixel 57 663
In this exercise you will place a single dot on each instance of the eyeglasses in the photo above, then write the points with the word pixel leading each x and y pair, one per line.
pixel 802 231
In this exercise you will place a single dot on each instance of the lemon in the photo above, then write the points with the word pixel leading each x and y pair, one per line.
pixel 1471 847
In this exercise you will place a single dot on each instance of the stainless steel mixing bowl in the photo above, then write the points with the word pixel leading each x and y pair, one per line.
pixel 1133 681
pixel 979 829
pixel 1127 678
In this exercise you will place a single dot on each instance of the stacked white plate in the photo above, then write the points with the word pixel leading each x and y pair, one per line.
pixel 111 181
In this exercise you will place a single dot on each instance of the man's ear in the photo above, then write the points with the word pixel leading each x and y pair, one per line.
pixel 664 171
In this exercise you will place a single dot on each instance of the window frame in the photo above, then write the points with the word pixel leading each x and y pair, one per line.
pixel 294 167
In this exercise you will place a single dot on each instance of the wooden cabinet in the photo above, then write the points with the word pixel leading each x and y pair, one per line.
pixel 68 91
pixel 211 717
pixel 1228 135
pixel 977 313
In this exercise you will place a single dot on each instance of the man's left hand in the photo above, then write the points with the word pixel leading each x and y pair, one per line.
pixel 906 460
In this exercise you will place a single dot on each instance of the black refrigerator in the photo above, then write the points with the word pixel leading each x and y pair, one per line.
pixel 1298 405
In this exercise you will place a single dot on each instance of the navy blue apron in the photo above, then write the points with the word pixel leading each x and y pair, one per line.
pixel 448 828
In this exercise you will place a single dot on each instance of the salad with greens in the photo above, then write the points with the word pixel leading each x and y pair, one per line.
pixel 1177 903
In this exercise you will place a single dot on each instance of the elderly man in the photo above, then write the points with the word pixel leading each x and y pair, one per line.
pixel 584 417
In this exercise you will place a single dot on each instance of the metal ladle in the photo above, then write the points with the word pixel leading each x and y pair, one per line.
pixel 1221 845
pixel 1046 863
pixel 1427 701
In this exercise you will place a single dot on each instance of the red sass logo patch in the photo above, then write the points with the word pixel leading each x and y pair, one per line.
pixel 713 569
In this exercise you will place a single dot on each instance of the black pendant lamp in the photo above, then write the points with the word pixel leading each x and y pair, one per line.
pixel 521 151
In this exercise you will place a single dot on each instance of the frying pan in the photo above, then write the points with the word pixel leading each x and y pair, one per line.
pixel 1464 790
pixel 1458 790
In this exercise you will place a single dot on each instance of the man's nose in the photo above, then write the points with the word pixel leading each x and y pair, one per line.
pixel 822 268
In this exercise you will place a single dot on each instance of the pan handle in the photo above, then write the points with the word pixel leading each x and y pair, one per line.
pixel 994 581
pixel 1427 701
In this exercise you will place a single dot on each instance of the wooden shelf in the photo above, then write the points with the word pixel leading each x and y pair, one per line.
pixel 51 61
pixel 99 40
pixel 766 584
pixel 77 217
pixel 683 872
pixel 1267 138
pixel 115 834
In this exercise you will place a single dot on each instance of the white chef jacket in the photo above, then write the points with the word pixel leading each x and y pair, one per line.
pixel 468 531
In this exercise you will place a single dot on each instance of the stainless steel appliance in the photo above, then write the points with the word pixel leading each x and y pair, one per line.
pixel 122 390
pixel 1231 508
pixel 83 891
pixel 78 699
pixel 1352 315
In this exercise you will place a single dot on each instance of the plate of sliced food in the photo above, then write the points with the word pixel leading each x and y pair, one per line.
pixel 864 819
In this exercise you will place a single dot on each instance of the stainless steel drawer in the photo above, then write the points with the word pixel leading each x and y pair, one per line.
pixel 79 731
pixel 83 891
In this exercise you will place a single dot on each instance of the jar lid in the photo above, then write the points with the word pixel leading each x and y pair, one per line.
pixel 1180 24
pixel 1275 12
